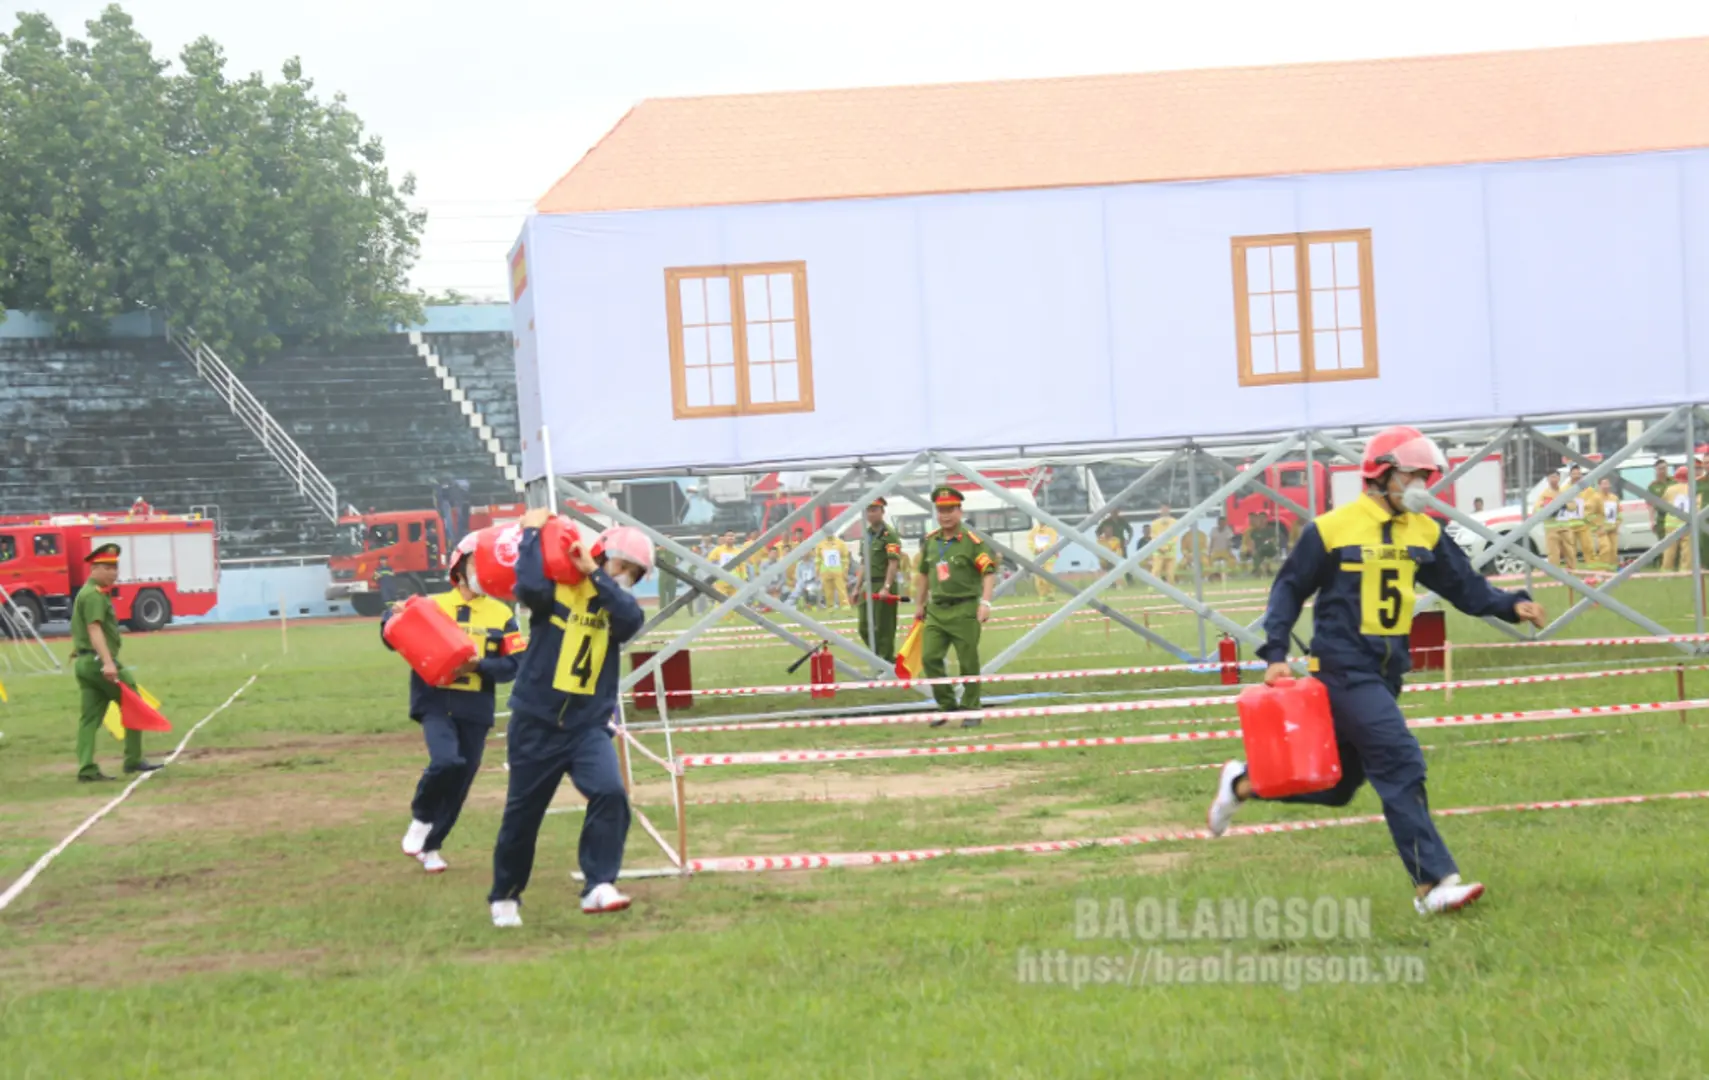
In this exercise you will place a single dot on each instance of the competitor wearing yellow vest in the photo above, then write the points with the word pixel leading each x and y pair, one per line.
pixel 456 718
pixel 1558 530
pixel 561 712
pixel 831 559
pixel 1163 560
pixel 1362 561
pixel 1039 541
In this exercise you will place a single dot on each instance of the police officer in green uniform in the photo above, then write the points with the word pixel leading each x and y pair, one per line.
pixel 95 639
pixel 879 571
pixel 956 576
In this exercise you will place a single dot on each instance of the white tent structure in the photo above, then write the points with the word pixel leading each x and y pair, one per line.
pixel 1222 268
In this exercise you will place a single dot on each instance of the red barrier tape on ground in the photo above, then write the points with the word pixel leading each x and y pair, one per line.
pixel 805 757
pixel 1210 667
pixel 751 863
pixel 1119 706
pixel 1579 642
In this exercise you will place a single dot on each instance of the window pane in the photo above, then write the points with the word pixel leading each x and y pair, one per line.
pixel 699 388
pixel 1352 349
pixel 1324 355
pixel 694 352
pixel 1287 312
pixel 1323 309
pixel 1263 354
pixel 1257 269
pixel 1346 265
pixel 1346 308
pixel 783 340
pixel 788 382
pixel 723 386
pixel 1259 307
pixel 1322 266
pixel 759 342
pixel 693 292
pixel 722 341
pixel 783 296
pixel 1288 353
pixel 759 384
pixel 718 300
pixel 754 304
pixel 1282 265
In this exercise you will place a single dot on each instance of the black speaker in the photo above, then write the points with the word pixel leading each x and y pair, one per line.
pixel 657 503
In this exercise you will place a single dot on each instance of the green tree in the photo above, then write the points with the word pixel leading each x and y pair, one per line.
pixel 243 208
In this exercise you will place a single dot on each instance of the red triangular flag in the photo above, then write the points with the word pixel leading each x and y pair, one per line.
pixel 139 715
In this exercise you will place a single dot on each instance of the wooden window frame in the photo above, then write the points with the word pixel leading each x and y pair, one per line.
pixel 734 273
pixel 1301 242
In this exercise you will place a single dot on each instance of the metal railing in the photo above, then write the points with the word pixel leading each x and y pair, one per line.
pixel 310 482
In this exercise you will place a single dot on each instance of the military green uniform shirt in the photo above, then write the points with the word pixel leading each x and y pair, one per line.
pixel 952 610
pixel 1658 488
pixel 92 609
pixel 883 547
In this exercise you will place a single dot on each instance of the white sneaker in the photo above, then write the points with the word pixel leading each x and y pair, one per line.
pixel 415 837
pixel 506 914
pixel 1226 802
pixel 603 899
pixel 1449 894
pixel 433 863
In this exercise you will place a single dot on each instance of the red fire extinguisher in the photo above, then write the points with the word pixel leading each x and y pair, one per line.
pixel 1228 652
pixel 823 671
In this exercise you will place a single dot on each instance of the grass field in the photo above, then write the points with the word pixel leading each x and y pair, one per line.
pixel 246 912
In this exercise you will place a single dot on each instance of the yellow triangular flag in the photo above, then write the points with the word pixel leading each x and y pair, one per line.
pixel 152 701
pixel 112 723
pixel 3 696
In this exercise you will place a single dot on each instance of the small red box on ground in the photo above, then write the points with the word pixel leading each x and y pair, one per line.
pixel 1290 738
pixel 429 640
pixel 1429 640
pixel 679 679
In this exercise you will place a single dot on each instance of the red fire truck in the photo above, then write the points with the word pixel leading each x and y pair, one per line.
pixel 169 564
pixel 409 545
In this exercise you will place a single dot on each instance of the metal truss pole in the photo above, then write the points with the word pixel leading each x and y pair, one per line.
pixel 1091 522
pixel 1035 566
pixel 1627 571
pixel 1452 476
pixel 745 590
pixel 1132 561
pixel 1696 520
pixel 1198 544
pixel 799 513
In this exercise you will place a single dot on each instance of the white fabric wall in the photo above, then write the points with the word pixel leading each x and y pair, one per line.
pixel 990 321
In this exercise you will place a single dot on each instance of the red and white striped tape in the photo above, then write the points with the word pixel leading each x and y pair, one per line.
pixel 1579 642
pixel 807 757
pixel 955 680
pixel 1071 709
pixel 825 861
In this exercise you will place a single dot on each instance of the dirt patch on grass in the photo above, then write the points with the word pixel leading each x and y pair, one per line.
pixel 109 962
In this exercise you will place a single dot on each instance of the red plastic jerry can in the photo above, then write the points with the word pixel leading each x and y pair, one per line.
pixel 429 640
pixel 559 539
pixel 1290 738
pixel 492 568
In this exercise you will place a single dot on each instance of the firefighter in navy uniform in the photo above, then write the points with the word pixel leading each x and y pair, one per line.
pixel 455 719
pixel 561 710
pixel 1362 560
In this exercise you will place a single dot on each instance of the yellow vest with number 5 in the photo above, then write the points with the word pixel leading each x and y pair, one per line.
pixel 1381 550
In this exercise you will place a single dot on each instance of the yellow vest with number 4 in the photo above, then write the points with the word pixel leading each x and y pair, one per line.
pixel 587 638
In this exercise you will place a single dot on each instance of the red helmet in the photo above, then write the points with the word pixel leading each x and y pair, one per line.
pixel 1402 448
pixel 1682 474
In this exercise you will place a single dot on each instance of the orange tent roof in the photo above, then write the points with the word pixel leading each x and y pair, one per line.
pixel 1116 129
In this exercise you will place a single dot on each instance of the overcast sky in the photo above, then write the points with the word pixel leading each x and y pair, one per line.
pixel 489 103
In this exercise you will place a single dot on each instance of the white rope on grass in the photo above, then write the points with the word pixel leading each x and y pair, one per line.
pixel 17 887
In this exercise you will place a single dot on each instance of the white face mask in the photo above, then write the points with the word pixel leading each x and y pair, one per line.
pixel 1416 496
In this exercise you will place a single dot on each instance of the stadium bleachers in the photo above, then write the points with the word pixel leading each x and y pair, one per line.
pixel 92 427
pixel 485 366
pixel 375 419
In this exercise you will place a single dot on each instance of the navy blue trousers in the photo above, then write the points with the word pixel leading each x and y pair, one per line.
pixel 454 749
pixel 541 754
pixel 1376 745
